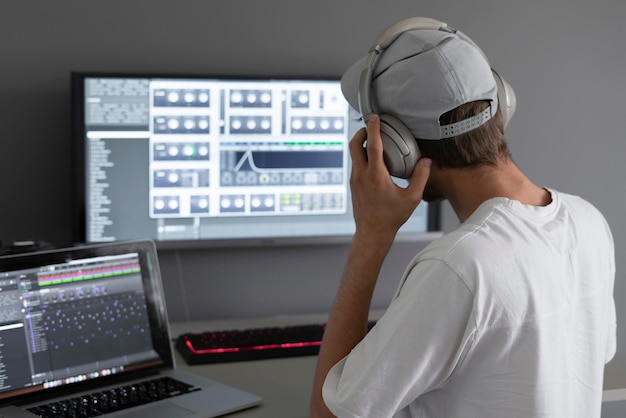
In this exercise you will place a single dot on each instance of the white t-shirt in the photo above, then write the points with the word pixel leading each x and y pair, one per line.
pixel 510 315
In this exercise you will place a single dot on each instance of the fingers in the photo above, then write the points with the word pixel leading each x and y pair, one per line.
pixel 374 140
pixel 357 152
pixel 420 176
pixel 372 153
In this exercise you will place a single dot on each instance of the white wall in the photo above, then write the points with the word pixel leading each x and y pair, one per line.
pixel 565 59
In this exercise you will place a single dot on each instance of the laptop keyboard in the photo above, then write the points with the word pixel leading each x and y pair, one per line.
pixel 116 399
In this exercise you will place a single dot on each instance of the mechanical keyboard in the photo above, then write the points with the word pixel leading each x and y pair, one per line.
pixel 251 344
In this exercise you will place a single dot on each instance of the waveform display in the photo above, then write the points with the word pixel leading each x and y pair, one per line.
pixel 81 275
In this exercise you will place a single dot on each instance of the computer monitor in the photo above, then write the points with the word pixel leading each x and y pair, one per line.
pixel 194 161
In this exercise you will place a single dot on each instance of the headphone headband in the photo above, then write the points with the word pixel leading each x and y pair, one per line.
pixel 413 23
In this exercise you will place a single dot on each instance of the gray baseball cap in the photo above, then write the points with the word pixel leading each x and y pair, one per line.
pixel 423 74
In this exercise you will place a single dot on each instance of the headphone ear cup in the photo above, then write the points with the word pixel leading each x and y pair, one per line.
pixel 400 151
pixel 507 101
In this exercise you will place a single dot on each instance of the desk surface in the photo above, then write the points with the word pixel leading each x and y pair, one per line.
pixel 285 384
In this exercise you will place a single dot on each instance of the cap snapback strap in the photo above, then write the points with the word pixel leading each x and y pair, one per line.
pixel 466 125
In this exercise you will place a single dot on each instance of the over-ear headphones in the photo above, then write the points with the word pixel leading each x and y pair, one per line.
pixel 400 149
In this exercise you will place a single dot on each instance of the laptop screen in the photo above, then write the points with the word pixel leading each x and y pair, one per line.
pixel 71 316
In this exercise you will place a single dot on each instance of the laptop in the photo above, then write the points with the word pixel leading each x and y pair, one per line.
pixel 86 328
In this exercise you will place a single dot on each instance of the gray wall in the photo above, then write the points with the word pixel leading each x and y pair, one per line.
pixel 564 58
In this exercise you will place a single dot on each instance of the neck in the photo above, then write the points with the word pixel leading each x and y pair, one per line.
pixel 468 188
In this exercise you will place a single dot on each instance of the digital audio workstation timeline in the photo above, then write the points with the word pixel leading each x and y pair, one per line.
pixel 191 161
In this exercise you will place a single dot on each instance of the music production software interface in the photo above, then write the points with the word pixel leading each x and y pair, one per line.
pixel 214 149
pixel 69 319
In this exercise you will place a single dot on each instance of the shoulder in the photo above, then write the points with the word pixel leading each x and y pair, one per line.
pixel 578 205
pixel 583 216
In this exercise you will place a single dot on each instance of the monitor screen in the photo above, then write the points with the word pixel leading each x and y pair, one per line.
pixel 192 161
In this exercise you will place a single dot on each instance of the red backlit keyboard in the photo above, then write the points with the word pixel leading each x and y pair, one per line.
pixel 250 344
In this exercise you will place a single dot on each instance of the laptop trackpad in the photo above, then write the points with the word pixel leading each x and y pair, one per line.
pixel 161 410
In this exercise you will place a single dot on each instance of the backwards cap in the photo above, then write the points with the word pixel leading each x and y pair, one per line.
pixel 423 74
